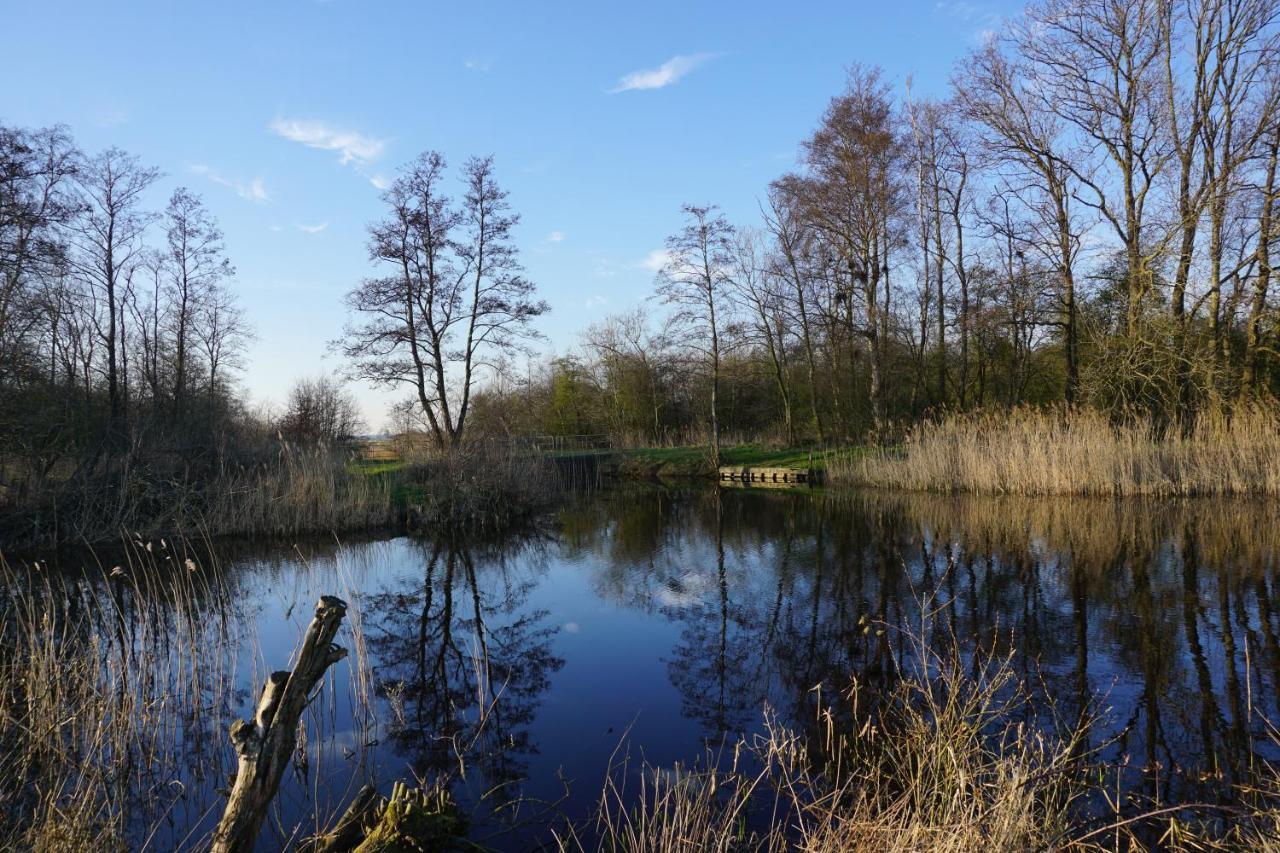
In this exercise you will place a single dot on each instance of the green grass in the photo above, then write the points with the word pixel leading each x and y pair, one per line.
pixel 754 455
pixel 374 467
pixel 680 462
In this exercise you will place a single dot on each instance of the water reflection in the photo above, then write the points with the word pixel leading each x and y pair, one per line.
pixel 674 617
pixel 462 662
pixel 1160 615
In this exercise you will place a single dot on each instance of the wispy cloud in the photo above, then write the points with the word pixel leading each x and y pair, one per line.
pixel 311 229
pixel 985 20
pixel 656 260
pixel 555 237
pixel 479 64
pixel 254 190
pixel 379 181
pixel 664 75
pixel 352 147
pixel 596 300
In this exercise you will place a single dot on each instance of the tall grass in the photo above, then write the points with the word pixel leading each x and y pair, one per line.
pixel 288 491
pixel 944 758
pixel 478 489
pixel 118 685
pixel 936 760
pixel 1080 452
pixel 114 690
pixel 301 490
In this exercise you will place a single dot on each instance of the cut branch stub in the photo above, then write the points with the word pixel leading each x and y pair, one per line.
pixel 265 745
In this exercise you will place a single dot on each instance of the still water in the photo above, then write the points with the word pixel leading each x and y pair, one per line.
pixel 660 623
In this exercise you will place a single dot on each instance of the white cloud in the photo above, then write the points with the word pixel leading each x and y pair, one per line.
pixel 664 75
pixel 572 627
pixel 656 260
pixel 255 190
pixel 556 237
pixel 379 182
pixel 982 17
pixel 595 301
pixel 352 147
pixel 479 64
pixel 311 229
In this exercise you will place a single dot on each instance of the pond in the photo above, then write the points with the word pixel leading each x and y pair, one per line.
pixel 658 624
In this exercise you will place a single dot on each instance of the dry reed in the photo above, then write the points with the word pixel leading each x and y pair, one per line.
pixel 112 692
pixel 1080 452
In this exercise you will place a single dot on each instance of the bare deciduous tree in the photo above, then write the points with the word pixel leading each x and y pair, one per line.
pixel 455 299
pixel 694 280
pixel 107 238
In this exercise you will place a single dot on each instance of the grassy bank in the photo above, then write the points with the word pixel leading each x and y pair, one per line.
pixel 695 461
pixel 295 491
pixel 1080 452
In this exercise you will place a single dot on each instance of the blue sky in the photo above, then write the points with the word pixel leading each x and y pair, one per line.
pixel 603 118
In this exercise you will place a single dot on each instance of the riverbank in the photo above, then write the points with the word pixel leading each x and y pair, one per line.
pixel 1045 452
pixel 1029 452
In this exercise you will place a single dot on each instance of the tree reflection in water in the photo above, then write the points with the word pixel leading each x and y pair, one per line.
pixel 462 663
pixel 1160 615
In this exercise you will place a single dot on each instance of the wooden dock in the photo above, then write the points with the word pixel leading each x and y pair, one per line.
pixel 756 477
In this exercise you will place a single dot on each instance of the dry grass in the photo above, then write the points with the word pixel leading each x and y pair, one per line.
pixel 478 490
pixel 291 490
pixel 939 760
pixel 1080 452
pixel 113 692
pixel 118 685
pixel 302 490
pixel 936 761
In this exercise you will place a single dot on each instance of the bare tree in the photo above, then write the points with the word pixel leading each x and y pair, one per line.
pixel 223 333
pixel 195 264
pixel 757 288
pixel 1024 133
pixel 1267 234
pixel 694 280
pixel 320 410
pixel 1097 66
pixel 36 201
pixel 108 237
pixel 793 241
pixel 853 195
pixel 456 298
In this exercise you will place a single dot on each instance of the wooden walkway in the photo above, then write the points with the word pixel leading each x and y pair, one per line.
pixel 747 476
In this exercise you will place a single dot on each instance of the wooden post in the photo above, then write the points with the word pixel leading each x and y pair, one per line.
pixel 265 746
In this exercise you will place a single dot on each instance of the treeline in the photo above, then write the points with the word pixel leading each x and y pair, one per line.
pixel 1087 218
pixel 120 339
pixel 117 322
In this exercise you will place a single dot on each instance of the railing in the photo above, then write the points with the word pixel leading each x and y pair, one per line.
pixel 553 443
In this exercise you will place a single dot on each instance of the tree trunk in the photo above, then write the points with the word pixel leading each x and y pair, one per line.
pixel 265 746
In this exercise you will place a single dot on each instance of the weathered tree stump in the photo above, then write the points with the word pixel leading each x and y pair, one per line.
pixel 265 746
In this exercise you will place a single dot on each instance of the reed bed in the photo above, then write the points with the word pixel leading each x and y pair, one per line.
pixel 1079 452
pixel 301 490
pixel 942 759
pixel 479 489
pixel 114 690
pixel 289 491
